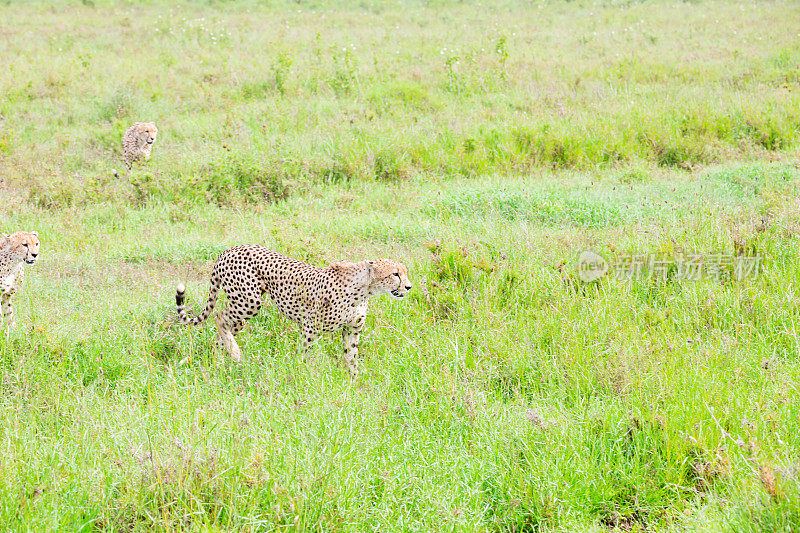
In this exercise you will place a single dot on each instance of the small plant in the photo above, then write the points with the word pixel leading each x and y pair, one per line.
pixel 345 78
pixel 281 71
pixel 453 83
pixel 501 50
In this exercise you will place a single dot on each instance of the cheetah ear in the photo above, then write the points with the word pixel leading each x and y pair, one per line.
pixel 35 233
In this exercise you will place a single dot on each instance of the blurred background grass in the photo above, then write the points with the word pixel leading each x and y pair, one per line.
pixel 255 97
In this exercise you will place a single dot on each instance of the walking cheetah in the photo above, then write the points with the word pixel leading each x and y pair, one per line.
pixel 137 142
pixel 320 300
pixel 15 250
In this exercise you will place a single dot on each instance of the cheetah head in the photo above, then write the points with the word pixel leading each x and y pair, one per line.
pixel 147 132
pixel 388 277
pixel 22 245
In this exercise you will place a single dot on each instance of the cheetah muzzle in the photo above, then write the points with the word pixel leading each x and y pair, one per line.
pixel 320 300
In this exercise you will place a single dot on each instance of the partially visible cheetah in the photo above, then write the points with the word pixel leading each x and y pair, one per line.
pixel 321 300
pixel 15 250
pixel 137 142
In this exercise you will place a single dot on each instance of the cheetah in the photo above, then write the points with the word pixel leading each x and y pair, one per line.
pixel 16 250
pixel 137 142
pixel 320 300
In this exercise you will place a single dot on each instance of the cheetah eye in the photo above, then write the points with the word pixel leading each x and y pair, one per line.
pixel 25 244
pixel 397 274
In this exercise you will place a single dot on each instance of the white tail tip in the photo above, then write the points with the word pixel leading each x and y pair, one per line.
pixel 181 287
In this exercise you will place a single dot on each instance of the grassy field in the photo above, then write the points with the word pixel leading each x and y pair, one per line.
pixel 484 146
pixel 251 99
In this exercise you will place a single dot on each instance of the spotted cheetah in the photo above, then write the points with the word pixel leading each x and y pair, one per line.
pixel 16 250
pixel 320 300
pixel 137 142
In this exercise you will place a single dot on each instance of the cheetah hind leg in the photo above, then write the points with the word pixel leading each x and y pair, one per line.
pixel 225 335
pixel 231 321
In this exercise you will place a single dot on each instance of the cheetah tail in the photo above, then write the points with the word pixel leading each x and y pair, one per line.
pixel 212 300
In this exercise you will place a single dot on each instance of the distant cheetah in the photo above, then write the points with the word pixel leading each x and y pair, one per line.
pixel 137 142
pixel 16 250
pixel 320 300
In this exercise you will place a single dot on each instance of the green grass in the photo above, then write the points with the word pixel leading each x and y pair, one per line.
pixel 485 147
pixel 504 395
pixel 255 99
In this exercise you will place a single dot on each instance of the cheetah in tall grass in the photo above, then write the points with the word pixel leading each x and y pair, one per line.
pixel 16 250
pixel 320 300
pixel 137 142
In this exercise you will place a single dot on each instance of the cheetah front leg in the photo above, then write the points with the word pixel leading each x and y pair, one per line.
pixel 8 312
pixel 308 334
pixel 350 339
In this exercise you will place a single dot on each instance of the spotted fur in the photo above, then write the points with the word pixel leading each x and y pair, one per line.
pixel 320 300
pixel 137 142
pixel 16 250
